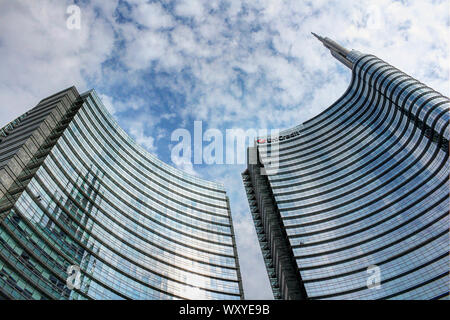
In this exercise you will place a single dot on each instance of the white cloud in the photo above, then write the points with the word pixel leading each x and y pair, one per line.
pixel 152 15
pixel 40 56
pixel 190 8
pixel 115 106
pixel 186 166
pixel 250 64
pixel 256 284
pixel 136 127
pixel 146 47
pixel 108 103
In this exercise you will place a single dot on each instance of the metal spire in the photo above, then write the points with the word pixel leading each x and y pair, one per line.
pixel 337 51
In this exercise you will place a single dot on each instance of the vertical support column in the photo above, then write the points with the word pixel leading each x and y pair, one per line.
pixel 48 119
pixel 278 256
pixel 241 289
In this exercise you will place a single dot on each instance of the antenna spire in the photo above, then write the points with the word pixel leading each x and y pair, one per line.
pixel 337 51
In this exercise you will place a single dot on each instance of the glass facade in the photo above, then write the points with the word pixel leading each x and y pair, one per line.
pixel 361 190
pixel 90 197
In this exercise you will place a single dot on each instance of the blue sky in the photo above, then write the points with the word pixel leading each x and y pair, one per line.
pixel 161 65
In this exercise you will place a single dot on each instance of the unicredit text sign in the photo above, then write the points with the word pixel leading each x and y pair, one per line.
pixel 277 139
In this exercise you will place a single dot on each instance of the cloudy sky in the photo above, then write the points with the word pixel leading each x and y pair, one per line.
pixel 161 65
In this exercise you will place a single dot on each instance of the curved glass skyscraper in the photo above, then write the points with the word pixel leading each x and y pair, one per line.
pixel 86 213
pixel 355 202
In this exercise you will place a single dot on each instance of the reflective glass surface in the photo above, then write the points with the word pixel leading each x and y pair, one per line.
pixel 365 184
pixel 136 227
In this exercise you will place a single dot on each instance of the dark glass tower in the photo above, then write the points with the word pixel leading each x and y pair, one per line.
pixel 77 192
pixel 359 193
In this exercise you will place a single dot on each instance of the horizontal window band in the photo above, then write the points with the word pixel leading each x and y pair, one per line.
pixel 378 249
pixel 422 213
pixel 391 279
pixel 61 254
pixel 120 255
pixel 133 147
pixel 99 208
pixel 37 258
pixel 90 276
pixel 22 275
pixel 398 186
pixel 33 120
pixel 390 259
pixel 320 156
pixel 81 146
pixel 417 286
pixel 443 295
pixel 129 245
pixel 384 103
pixel 145 204
pixel 355 81
pixel 403 210
pixel 354 89
pixel 374 212
pixel 348 165
pixel 149 196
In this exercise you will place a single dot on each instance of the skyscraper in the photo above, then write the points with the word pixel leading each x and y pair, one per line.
pixel 86 213
pixel 354 203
